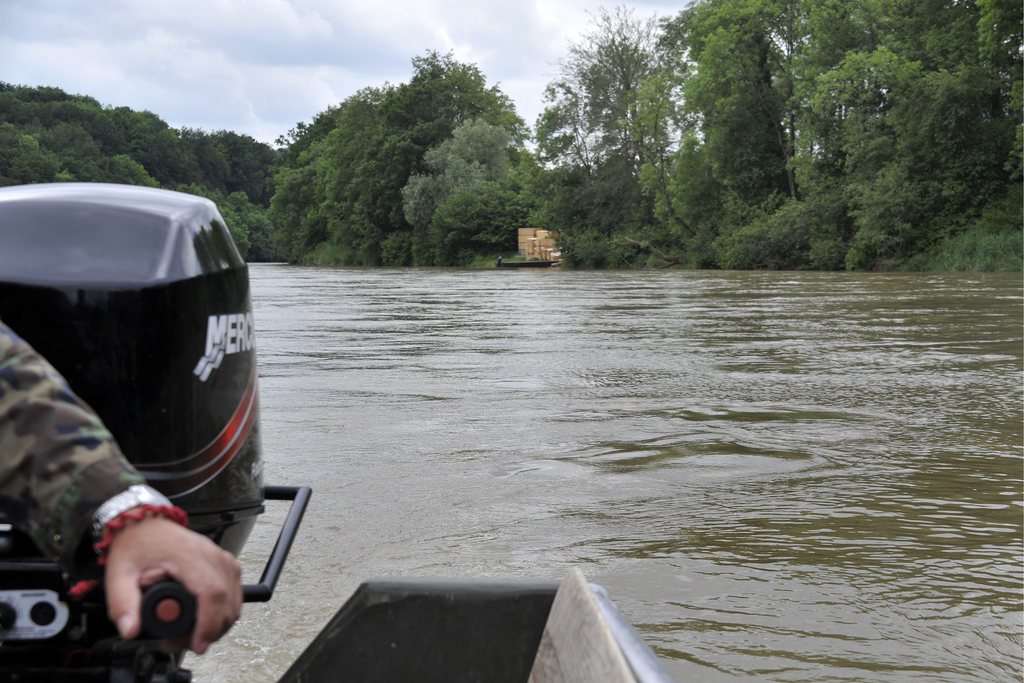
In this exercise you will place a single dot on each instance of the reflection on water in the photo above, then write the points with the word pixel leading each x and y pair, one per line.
pixel 791 477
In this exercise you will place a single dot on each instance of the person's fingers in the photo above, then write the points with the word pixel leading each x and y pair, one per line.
pixel 152 549
pixel 124 577
pixel 124 598
pixel 218 592
pixel 219 600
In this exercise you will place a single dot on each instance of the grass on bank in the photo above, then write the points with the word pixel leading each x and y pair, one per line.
pixel 993 243
pixel 974 251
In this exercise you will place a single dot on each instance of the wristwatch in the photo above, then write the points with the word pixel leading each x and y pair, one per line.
pixel 130 498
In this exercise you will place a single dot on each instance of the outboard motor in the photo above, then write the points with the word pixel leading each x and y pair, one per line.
pixel 139 297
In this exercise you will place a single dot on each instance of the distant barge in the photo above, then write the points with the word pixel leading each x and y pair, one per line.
pixel 526 264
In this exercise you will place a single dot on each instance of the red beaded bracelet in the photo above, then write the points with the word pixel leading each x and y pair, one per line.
pixel 171 512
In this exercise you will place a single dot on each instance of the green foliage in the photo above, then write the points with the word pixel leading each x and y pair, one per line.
pixel 47 135
pixel 476 153
pixel 690 203
pixel 591 248
pixel 481 220
pixel 593 108
pixel 975 250
pixel 991 243
pixel 798 235
pixel 249 224
pixel 890 126
pixel 300 225
pixel 23 159
pixel 396 249
pixel 252 221
pixel 822 134
pixel 325 254
pixel 366 180
pixel 121 168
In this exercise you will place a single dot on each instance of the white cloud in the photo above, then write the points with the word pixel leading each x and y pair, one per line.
pixel 261 66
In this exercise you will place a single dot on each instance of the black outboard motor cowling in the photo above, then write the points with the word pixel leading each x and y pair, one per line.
pixel 140 298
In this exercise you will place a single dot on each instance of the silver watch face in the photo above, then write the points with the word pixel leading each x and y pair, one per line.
pixel 132 497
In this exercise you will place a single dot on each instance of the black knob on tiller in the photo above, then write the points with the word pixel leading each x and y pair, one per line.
pixel 168 610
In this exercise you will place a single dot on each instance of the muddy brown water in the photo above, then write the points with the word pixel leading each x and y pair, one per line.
pixel 776 476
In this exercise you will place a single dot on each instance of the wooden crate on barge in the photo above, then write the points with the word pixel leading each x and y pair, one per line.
pixel 538 244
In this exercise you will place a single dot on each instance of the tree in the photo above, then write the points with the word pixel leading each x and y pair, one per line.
pixel 476 154
pixel 592 131
pixel 299 222
pixel 474 222
pixel 23 160
pixel 742 88
pixel 342 194
pixel 594 102
pixel 250 165
pixel 327 161
pixel 155 145
pixel 210 162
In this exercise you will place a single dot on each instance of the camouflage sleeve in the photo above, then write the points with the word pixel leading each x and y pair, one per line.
pixel 58 463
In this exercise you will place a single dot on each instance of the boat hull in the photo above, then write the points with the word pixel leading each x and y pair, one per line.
pixel 443 630
pixel 527 264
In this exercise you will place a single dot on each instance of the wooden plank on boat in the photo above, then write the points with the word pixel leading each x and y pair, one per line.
pixel 577 645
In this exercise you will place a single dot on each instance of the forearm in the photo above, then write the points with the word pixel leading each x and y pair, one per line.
pixel 58 463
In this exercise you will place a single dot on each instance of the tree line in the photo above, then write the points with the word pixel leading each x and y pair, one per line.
pixel 777 134
pixel 48 135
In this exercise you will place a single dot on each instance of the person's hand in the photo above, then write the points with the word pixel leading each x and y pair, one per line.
pixel 155 548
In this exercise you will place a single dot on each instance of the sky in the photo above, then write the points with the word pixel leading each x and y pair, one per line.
pixel 259 67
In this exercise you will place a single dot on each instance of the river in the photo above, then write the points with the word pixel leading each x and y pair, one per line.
pixel 776 476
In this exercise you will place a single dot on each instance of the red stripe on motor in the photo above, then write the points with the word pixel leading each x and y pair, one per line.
pixel 180 477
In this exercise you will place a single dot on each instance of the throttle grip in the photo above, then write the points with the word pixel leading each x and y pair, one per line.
pixel 168 611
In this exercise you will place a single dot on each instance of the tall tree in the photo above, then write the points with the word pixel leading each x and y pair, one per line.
pixel 476 154
pixel 742 88
pixel 345 187
pixel 591 129
pixel 593 104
